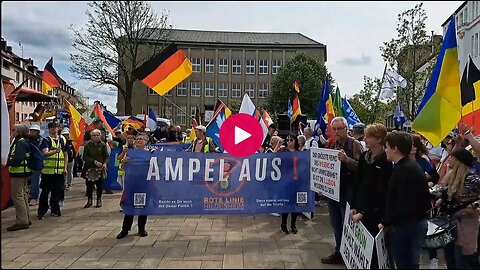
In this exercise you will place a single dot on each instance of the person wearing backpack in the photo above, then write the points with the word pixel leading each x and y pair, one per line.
pixel 53 174
pixel 20 173
pixel 36 140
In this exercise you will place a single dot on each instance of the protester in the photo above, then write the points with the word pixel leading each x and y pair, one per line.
pixel 188 138
pixel 202 143
pixel 419 153
pixel 349 154
pixel 20 173
pixel 292 146
pixel 301 142
pixel 374 172
pixel 71 157
pixel 141 141
pixel 408 200
pixel 96 157
pixel 462 190
pixel 130 145
pixel 310 141
pixel 53 174
pixel 35 139
pixel 358 132
pixel 277 143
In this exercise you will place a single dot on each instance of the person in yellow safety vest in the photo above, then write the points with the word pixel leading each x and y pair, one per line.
pixel 54 171
pixel 188 138
pixel 19 173
pixel 202 143
pixel 121 156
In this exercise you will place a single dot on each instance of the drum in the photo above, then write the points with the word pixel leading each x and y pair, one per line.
pixel 93 174
pixel 441 232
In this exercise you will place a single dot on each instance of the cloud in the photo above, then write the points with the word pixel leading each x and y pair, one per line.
pixel 352 61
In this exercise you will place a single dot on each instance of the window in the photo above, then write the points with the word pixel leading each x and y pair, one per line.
pixel 209 89
pixel 476 45
pixel 222 89
pixel 263 66
pixel 236 66
pixel 250 66
pixel 263 90
pixel 250 89
pixel 17 117
pixel 154 108
pixel 193 111
pixel 236 90
pixel 209 65
pixel 196 65
pixel 17 76
pixel 195 89
pixel 466 15
pixel 168 111
pixel 473 46
pixel 6 65
pixel 181 116
pixel 223 66
pixel 182 89
pixel 151 92
pixel 277 64
pixel 461 19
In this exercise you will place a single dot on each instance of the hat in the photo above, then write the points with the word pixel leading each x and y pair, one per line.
pixel 358 127
pixel 202 128
pixel 147 130
pixel 52 124
pixel 65 131
pixel 464 156
pixel 35 127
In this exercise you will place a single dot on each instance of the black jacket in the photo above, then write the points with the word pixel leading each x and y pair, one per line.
pixel 408 197
pixel 372 190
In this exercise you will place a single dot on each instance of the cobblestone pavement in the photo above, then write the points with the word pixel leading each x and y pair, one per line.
pixel 85 238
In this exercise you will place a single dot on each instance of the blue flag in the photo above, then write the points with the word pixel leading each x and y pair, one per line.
pixel 350 114
pixel 322 108
pixel 222 112
pixel 112 121
pixel 399 117
pixel 290 110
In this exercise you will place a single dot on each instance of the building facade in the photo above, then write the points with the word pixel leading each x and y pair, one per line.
pixel 18 70
pixel 467 19
pixel 226 65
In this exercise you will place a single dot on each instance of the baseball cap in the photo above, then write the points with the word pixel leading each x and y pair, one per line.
pixel 35 127
pixel 202 128
pixel 358 127
pixel 147 129
pixel 65 131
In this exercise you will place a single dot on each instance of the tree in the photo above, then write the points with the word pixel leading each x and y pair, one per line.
pixel 82 102
pixel 117 39
pixel 364 103
pixel 310 73
pixel 408 53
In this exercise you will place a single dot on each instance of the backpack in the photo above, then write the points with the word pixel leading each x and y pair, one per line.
pixel 36 158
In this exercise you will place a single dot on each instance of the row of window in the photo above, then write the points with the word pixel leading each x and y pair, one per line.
pixel 475 45
pixel 181 118
pixel 465 17
pixel 223 66
pixel 222 89
pixel 17 117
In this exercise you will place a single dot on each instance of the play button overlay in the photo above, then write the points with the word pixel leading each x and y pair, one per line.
pixel 241 135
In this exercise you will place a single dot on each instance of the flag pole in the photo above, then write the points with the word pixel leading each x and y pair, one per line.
pixel 378 96
pixel 175 105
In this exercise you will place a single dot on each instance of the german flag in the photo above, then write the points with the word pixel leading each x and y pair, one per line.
pixel 165 70
pixel 50 77
pixel 133 122
pixel 295 102
pixel 296 86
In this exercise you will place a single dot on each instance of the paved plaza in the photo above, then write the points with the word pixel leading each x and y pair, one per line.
pixel 86 238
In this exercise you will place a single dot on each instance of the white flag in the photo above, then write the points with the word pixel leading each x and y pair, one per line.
pixel 249 108
pixel 390 81
pixel 5 128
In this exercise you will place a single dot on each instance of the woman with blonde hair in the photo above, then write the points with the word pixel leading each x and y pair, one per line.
pixel 461 191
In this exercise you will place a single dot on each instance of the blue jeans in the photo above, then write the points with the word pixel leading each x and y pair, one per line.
pixel 336 211
pixel 405 242
pixel 35 184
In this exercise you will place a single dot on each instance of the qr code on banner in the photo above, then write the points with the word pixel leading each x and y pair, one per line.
pixel 302 197
pixel 139 200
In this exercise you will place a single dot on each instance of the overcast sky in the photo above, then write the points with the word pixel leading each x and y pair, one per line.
pixel 352 31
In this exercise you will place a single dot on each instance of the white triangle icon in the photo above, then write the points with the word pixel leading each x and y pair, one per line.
pixel 241 135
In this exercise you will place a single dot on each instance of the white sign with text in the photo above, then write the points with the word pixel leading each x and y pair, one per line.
pixel 325 172
pixel 382 252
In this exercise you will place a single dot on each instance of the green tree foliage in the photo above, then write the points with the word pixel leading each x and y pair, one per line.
pixel 364 102
pixel 310 73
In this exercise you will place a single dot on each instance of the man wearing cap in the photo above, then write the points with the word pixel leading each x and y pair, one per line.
pixel 19 173
pixel 53 173
pixel 202 144
pixel 71 157
pixel 358 132
pixel 35 139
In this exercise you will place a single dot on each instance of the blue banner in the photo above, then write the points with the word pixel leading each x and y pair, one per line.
pixel 171 147
pixel 111 183
pixel 185 183
pixel 350 114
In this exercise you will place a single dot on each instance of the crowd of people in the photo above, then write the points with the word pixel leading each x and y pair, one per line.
pixel 394 181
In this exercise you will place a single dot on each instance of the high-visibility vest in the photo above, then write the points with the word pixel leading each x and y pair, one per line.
pixel 206 148
pixel 22 168
pixel 55 164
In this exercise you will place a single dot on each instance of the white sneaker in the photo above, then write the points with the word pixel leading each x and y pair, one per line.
pixel 275 214
pixel 433 264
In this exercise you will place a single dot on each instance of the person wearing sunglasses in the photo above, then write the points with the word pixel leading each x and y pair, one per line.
pixel 292 146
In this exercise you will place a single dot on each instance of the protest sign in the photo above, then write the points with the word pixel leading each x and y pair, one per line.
pixel 325 172
pixel 165 183
pixel 110 182
pixel 382 252
pixel 357 243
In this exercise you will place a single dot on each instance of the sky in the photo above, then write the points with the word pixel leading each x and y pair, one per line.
pixel 352 31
